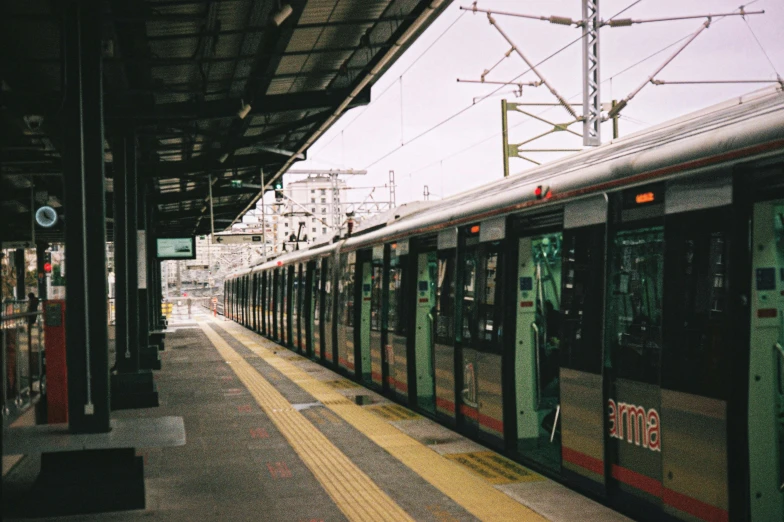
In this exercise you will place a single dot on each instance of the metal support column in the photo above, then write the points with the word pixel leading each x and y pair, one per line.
pixel 128 361
pixel 120 164
pixel 85 233
pixel 142 278
pixel 592 103
pixel 19 265
pixel 40 259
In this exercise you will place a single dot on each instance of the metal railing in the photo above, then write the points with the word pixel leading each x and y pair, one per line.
pixel 22 344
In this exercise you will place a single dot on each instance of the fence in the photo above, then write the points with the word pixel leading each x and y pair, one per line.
pixel 22 338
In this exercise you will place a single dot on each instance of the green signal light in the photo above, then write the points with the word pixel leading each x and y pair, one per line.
pixel 236 183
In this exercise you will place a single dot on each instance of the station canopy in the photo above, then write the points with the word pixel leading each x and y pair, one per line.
pixel 212 90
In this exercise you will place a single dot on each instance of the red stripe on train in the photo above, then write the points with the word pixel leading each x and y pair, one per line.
pixel 584 461
pixel 445 405
pixel 672 498
pixel 484 420
pixel 694 507
pixel 399 386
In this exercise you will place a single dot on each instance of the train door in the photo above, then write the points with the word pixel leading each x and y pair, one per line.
pixel 398 319
pixel 538 332
pixel 259 302
pixel 267 294
pixel 424 338
pixel 328 313
pixel 364 293
pixel 582 305
pixel 263 283
pixel 295 289
pixel 346 317
pixel 275 304
pixel 285 302
pixel 633 347
pixel 480 341
pixel 444 312
pixel 378 369
pixel 316 294
pixel 300 304
pixel 766 370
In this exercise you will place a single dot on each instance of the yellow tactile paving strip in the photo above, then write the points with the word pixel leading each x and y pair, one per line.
pixel 473 493
pixel 358 497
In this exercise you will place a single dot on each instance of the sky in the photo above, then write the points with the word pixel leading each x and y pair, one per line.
pixel 414 125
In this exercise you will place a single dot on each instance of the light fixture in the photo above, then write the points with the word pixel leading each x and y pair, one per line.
pixel 224 157
pixel 281 14
pixel 244 111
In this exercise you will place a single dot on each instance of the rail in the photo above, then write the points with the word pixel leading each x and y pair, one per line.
pixel 23 356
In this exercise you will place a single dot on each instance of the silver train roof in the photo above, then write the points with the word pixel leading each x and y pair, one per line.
pixel 741 129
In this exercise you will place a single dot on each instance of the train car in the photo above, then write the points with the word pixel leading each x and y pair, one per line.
pixel 613 319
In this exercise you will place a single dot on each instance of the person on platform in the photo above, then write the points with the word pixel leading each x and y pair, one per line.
pixel 32 306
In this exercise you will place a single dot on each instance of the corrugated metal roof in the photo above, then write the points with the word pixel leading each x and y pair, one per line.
pixel 180 71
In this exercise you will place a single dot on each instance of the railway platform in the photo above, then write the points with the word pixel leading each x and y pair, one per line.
pixel 271 435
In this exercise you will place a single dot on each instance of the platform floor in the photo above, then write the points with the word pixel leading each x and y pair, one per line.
pixel 272 436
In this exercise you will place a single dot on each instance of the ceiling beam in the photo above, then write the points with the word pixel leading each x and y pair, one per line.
pixel 204 165
pixel 268 104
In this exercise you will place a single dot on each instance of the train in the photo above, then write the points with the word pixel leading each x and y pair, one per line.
pixel 613 319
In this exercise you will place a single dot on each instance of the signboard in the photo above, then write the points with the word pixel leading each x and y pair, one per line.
pixel 234 239
pixel 175 248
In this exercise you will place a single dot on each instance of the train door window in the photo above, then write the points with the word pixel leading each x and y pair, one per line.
pixel 376 341
pixel 445 335
pixel 276 304
pixel 635 297
pixel 397 324
pixel 328 314
pixel 581 310
pixel 697 326
pixel 316 295
pixel 345 322
pixel 260 300
pixel 301 317
pixel 364 304
pixel 295 340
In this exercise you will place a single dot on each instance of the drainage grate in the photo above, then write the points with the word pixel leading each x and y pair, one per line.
pixel 341 384
pixel 494 468
pixel 392 412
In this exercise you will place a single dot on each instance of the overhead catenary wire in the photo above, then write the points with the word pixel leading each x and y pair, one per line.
pixel 762 48
pixel 392 84
pixel 492 93
pixel 609 79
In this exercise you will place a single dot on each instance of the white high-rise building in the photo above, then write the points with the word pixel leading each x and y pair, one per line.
pixel 315 203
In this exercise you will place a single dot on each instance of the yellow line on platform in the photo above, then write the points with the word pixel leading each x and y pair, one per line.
pixel 470 491
pixel 355 494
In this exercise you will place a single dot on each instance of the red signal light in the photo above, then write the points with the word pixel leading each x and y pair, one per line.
pixel 538 191
pixel 48 268
pixel 475 229
pixel 280 263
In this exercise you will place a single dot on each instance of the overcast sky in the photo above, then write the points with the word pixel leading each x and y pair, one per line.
pixel 420 90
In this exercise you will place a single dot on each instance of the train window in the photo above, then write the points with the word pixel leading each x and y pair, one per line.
pixel 479 317
pixel 468 298
pixel 376 291
pixel 346 297
pixel 445 298
pixel 397 303
pixel 634 314
pixel 581 299
pixel 486 306
pixel 696 334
